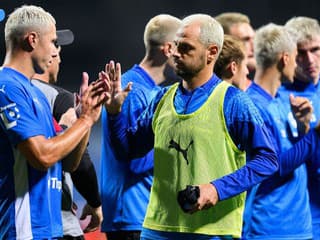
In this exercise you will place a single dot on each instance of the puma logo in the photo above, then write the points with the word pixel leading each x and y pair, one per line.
pixel 177 147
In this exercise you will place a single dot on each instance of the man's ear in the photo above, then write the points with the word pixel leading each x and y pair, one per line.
pixel 30 41
pixel 233 67
pixel 168 49
pixel 229 71
pixel 286 58
pixel 283 61
pixel 212 52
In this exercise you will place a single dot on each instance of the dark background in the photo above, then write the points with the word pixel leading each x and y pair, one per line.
pixel 113 29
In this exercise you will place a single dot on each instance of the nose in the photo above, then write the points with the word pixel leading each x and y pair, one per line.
pixel 250 46
pixel 309 56
pixel 175 53
pixel 246 70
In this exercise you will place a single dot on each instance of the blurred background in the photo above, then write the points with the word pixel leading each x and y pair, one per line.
pixel 113 29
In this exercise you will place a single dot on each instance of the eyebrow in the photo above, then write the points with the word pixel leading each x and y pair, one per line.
pixel 312 49
pixel 246 38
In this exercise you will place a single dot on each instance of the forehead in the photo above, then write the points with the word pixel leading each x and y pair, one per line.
pixel 241 30
pixel 188 32
pixel 308 44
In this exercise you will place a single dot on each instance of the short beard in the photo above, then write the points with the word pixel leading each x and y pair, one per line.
pixel 185 74
pixel 188 73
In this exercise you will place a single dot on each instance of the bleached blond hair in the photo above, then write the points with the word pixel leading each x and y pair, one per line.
pixel 24 19
pixel 160 29
pixel 211 31
pixel 270 41
pixel 304 28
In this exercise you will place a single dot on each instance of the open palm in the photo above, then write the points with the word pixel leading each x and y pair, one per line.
pixel 116 95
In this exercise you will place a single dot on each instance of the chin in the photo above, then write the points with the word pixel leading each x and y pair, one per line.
pixel 251 64
pixel 290 80
pixel 315 76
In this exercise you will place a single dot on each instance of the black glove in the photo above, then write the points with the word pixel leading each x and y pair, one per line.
pixel 188 197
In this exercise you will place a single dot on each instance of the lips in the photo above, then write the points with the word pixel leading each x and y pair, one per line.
pixel 311 69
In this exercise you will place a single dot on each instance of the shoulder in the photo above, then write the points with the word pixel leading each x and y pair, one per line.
pixel 46 88
pixel 159 96
pixel 61 90
pixel 64 99
pixel 132 75
pixel 163 91
pixel 143 88
pixel 64 96
pixel 235 96
pixel 13 89
pixel 10 80
pixel 239 106
pixel 139 77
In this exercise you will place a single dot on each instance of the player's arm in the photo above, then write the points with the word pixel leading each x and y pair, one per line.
pixel 42 153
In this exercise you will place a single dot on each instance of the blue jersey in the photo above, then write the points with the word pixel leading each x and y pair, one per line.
pixel 125 185
pixel 243 122
pixel 279 207
pixel 311 92
pixel 29 198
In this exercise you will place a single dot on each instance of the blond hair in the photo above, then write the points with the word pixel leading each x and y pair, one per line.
pixel 211 31
pixel 270 41
pixel 24 19
pixel 303 28
pixel 228 19
pixel 160 29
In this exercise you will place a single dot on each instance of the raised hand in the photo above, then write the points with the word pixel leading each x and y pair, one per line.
pixel 302 111
pixel 116 95
pixel 92 97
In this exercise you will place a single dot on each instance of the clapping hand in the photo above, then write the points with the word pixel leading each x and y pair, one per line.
pixel 91 97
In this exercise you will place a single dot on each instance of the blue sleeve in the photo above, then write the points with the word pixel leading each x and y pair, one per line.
pixel 136 102
pixel 249 133
pixel 301 152
pixel 136 140
pixel 17 118
pixel 142 165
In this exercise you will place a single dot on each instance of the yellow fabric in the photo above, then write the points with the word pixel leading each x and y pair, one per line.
pixel 193 149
